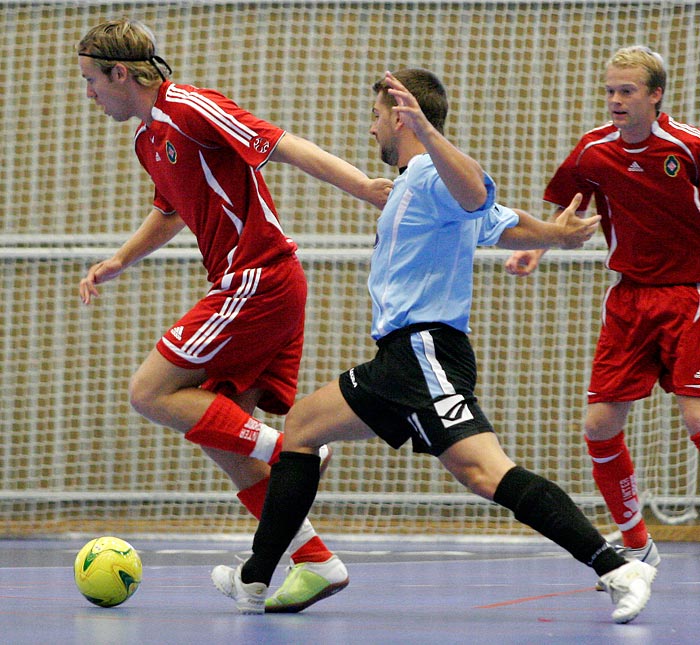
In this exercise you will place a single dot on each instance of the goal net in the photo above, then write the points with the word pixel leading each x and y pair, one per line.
pixel 524 81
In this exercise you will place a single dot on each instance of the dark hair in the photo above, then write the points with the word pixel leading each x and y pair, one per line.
pixel 427 89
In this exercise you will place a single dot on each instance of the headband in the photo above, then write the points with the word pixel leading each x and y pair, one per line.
pixel 153 60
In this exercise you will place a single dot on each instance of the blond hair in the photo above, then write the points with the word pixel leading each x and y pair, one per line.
pixel 650 61
pixel 129 42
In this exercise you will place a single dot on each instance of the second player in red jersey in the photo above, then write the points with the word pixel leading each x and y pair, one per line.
pixel 647 195
pixel 643 168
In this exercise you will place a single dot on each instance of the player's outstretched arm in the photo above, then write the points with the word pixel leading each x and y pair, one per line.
pixel 568 231
pixel 575 229
pixel 462 174
pixel 323 165
pixel 156 230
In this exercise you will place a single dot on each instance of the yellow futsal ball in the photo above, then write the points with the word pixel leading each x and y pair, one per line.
pixel 107 571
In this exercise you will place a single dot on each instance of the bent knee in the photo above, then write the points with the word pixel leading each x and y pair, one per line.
pixel 480 481
pixel 605 420
pixel 298 433
pixel 293 431
pixel 601 432
pixel 484 483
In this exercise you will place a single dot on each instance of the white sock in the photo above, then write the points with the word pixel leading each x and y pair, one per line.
pixel 304 534
pixel 266 439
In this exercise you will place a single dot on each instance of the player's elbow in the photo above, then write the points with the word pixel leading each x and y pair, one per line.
pixel 142 398
pixel 474 198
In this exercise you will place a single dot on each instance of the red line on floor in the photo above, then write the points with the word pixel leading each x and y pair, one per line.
pixel 518 601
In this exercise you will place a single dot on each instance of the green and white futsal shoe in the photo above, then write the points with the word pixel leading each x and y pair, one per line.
pixel 307 583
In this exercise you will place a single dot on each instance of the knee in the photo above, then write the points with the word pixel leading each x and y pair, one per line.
pixel 482 484
pixel 592 428
pixel 599 428
pixel 480 481
pixel 478 463
pixel 293 426
pixel 297 432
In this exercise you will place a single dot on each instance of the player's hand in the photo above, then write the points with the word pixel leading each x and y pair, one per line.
pixel 522 263
pixel 379 190
pixel 576 230
pixel 97 274
pixel 407 106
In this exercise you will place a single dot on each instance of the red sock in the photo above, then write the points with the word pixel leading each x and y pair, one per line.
pixel 613 471
pixel 276 452
pixel 226 426
pixel 312 550
pixel 696 440
pixel 253 497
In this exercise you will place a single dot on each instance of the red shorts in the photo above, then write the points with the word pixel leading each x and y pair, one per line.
pixel 649 334
pixel 248 336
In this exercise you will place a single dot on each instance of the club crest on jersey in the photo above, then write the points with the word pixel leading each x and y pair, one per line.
pixel 671 166
pixel 261 145
pixel 171 152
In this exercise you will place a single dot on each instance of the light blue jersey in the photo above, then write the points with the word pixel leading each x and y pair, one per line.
pixel 421 267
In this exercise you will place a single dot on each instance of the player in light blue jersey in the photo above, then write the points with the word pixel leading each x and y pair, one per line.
pixel 422 260
pixel 423 237
pixel 420 384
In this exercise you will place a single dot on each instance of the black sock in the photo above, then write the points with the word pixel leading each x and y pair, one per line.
pixel 292 490
pixel 545 507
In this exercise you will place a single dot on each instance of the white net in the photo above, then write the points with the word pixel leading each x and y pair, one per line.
pixel 524 80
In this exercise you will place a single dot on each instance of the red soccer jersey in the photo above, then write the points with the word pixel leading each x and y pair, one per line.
pixel 204 154
pixel 647 194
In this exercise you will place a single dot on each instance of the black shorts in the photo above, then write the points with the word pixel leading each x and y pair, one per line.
pixel 420 385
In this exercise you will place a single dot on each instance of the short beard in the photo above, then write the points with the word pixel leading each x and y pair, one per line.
pixel 390 155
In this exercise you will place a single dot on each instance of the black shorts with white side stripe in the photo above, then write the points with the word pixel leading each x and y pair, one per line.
pixel 419 386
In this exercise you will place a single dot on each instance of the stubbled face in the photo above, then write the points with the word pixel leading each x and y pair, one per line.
pixel 383 130
pixel 631 105
pixel 107 90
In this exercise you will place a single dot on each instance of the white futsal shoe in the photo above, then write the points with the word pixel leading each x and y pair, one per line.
pixel 250 597
pixel 648 553
pixel 629 587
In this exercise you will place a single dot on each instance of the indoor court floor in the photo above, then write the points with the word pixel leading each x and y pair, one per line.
pixel 403 592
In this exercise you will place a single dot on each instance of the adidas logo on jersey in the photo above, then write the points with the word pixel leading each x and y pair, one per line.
pixel 635 167
pixel 177 332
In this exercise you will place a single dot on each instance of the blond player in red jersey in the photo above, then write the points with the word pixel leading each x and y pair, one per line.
pixel 643 169
pixel 240 346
